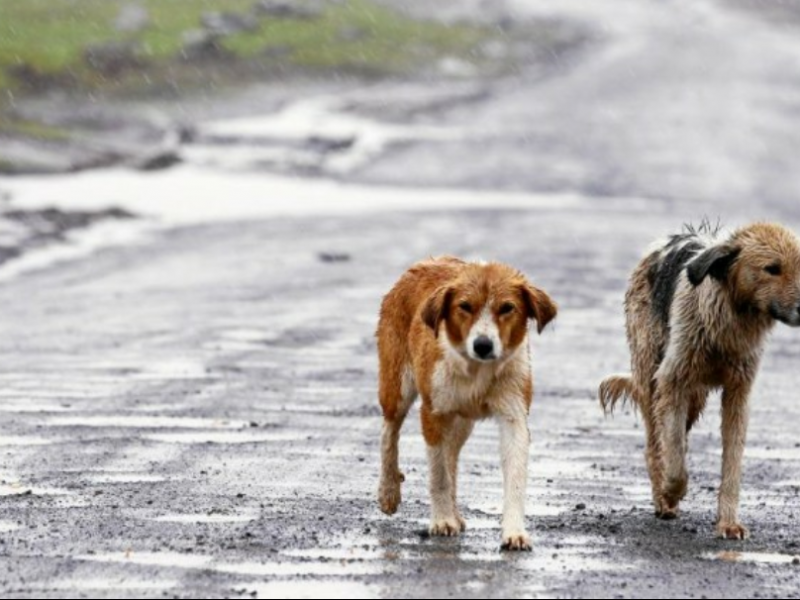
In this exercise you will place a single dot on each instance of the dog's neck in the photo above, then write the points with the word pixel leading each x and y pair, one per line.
pixel 721 314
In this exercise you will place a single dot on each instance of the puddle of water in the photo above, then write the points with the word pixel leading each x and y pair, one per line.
pixel 495 508
pixel 541 466
pixel 152 559
pixel 20 440
pixel 280 136
pixel 767 453
pixel 80 244
pixel 633 433
pixel 223 437
pixel 131 191
pixel 547 466
pixel 315 408
pixel 144 422
pixel 126 478
pixel 301 590
pixel 205 518
pixel 244 335
pixel 760 558
pixel 345 554
pixel 17 489
pixel 571 558
pixel 30 407
pixel 65 393
pixel 174 369
pixel 533 509
pixel 270 569
pixel 122 584
pixel 638 493
pixel 789 483
pixel 342 568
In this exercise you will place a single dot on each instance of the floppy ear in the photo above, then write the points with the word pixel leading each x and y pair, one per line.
pixel 436 307
pixel 540 306
pixel 715 261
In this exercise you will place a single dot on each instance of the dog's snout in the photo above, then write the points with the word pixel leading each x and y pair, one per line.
pixel 483 346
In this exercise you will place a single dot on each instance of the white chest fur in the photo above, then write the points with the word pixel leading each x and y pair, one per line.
pixel 475 389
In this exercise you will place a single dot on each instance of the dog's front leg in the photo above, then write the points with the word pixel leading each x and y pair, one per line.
pixel 735 415
pixel 438 432
pixel 515 443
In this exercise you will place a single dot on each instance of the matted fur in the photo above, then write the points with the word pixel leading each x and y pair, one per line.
pixel 428 322
pixel 698 311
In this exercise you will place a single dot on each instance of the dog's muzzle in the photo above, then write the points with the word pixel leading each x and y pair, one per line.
pixel 790 317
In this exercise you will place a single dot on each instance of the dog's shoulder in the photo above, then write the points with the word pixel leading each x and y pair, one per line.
pixel 667 263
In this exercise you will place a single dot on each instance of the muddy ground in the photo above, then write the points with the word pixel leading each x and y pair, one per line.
pixel 193 413
pixel 197 418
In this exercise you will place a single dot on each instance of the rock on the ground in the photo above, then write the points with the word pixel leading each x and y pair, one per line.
pixel 32 79
pixel 29 229
pixel 228 23
pixel 164 155
pixel 132 18
pixel 286 9
pixel 201 44
pixel 113 58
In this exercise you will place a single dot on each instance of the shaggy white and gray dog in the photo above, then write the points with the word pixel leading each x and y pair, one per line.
pixel 698 311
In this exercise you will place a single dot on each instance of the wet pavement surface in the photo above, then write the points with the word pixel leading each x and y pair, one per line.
pixel 193 413
pixel 197 418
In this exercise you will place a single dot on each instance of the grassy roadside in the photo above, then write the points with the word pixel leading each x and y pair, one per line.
pixel 49 38
pixel 44 43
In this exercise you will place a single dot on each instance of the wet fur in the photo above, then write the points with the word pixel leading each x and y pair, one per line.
pixel 698 310
pixel 422 336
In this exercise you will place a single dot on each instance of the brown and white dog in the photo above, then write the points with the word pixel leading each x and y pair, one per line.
pixel 698 311
pixel 456 333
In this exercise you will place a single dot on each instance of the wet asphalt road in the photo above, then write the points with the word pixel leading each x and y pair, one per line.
pixel 197 418
pixel 195 415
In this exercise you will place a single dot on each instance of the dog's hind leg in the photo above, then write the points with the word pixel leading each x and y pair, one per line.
pixel 397 394
pixel 646 350
pixel 653 459
pixel 461 430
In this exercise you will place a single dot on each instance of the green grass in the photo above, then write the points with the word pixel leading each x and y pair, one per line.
pixel 385 41
pixel 33 129
pixel 51 35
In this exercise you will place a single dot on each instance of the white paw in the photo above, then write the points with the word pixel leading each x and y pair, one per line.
pixel 517 542
pixel 732 531
pixel 450 527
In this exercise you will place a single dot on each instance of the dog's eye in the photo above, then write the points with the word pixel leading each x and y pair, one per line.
pixel 773 270
pixel 506 309
pixel 466 307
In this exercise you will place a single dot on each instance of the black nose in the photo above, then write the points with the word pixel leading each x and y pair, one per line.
pixel 483 346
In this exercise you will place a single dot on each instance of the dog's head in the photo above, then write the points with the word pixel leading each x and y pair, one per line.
pixel 485 312
pixel 760 264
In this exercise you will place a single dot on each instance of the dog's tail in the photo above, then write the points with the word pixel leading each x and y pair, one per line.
pixel 614 389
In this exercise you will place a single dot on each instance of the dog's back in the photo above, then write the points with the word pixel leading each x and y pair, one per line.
pixel 648 305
